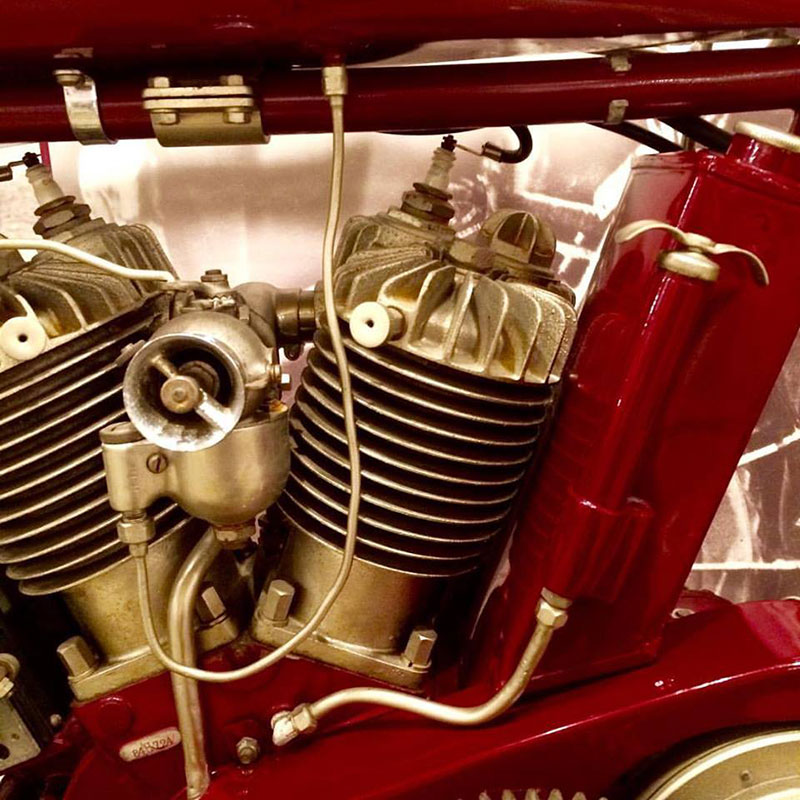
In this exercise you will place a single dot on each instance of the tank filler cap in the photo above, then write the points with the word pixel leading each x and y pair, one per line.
pixel 694 261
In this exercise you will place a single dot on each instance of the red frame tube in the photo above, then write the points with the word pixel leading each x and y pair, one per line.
pixel 456 96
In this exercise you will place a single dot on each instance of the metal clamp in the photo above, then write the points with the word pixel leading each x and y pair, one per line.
pixel 83 111
pixel 694 261
pixel 205 114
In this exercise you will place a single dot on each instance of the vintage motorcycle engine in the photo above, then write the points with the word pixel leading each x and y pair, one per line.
pixel 455 350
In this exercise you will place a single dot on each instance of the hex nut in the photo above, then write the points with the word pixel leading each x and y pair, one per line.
pixel 77 657
pixel 68 77
pixel 247 750
pixel 210 606
pixel 164 117
pixel 420 646
pixel 237 116
pixel 551 616
pixel 278 601
pixel 136 530
pixel 234 537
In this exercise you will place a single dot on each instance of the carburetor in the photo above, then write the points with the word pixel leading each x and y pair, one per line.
pixel 455 350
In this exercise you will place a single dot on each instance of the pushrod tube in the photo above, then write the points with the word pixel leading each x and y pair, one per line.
pixel 455 96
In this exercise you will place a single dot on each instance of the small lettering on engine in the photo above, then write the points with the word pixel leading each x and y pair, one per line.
pixel 150 745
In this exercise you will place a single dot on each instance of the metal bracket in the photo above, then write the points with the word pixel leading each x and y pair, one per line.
pixel 83 111
pixel 616 112
pixel 205 114
pixel 620 61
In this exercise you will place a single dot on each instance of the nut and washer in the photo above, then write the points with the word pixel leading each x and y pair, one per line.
pixel 247 750
pixel 420 646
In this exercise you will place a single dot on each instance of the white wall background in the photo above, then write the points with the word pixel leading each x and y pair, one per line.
pixel 257 213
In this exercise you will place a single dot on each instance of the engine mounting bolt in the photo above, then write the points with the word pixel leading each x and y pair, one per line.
pixel 278 601
pixel 157 463
pixel 420 646
pixel 210 606
pixel 56 720
pixel 247 750
pixel 77 657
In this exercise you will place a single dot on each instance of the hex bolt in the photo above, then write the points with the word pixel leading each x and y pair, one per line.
pixel 420 646
pixel 77 657
pixel 158 82
pixel 247 750
pixel 278 602
pixel 68 77
pixel 164 117
pixel 237 116
pixel 157 462
pixel 210 606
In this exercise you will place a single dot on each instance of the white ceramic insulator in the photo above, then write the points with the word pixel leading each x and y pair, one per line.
pixel 439 172
pixel 22 338
pixel 373 324
pixel 44 186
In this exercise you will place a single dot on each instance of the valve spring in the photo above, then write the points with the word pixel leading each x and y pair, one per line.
pixel 56 527
pixel 442 451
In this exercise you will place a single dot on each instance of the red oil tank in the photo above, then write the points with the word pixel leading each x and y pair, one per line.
pixel 667 380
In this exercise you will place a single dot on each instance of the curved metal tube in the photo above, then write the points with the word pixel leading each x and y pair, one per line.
pixel 181 634
pixel 304 718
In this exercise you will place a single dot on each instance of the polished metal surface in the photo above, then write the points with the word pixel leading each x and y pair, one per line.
pixel 197 377
pixel 758 766
pixel 83 110
pixel 15 736
pixel 190 114
pixel 253 460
